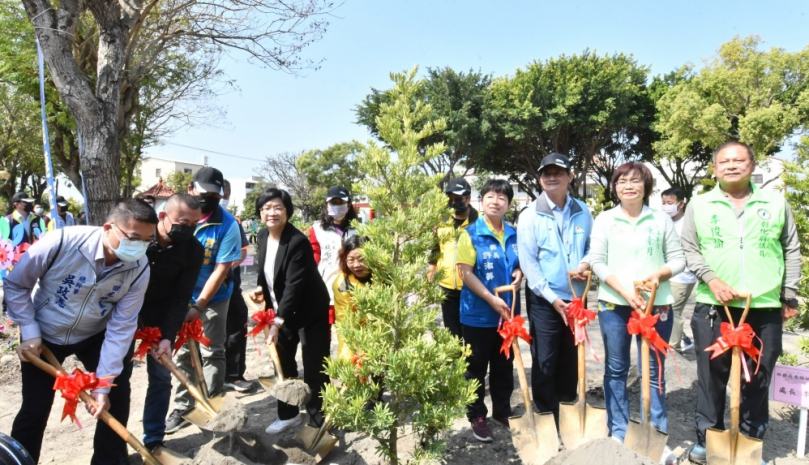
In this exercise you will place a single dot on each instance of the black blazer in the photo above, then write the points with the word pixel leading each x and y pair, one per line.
pixel 301 293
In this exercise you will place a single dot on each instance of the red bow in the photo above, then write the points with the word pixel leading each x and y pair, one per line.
pixel 193 331
pixel 511 329
pixel 72 386
pixel 645 326
pixel 578 317
pixel 263 320
pixel 147 336
pixel 740 336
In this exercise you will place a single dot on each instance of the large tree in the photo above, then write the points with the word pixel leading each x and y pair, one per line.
pixel 282 170
pixel 129 36
pixel 459 99
pixel 336 165
pixel 580 106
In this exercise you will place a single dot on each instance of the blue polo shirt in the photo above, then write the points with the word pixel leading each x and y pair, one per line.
pixel 222 242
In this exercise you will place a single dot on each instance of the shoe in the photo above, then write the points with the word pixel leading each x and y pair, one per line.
pixel 697 454
pixel 239 385
pixel 480 430
pixel 668 457
pixel 617 439
pixel 279 425
pixel 151 446
pixel 176 422
pixel 503 422
pixel 686 344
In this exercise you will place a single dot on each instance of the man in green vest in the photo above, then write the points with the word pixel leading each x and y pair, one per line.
pixel 739 238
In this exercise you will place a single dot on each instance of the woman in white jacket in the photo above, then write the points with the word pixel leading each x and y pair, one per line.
pixel 327 235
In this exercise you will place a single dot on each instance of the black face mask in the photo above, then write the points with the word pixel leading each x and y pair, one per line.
pixel 180 232
pixel 207 204
pixel 459 207
pixel 28 208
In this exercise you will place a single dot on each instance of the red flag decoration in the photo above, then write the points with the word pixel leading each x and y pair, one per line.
pixel 147 336
pixel 578 317
pixel 193 331
pixel 263 319
pixel 645 326
pixel 72 386
pixel 511 329
pixel 19 251
pixel 740 336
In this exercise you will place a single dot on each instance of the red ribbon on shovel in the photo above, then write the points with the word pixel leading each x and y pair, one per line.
pixel 72 385
pixel 509 330
pixel 147 336
pixel 193 331
pixel 263 319
pixel 645 326
pixel 578 317
pixel 740 336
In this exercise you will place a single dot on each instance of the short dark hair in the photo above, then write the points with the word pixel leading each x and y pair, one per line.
pixel 185 198
pixel 125 210
pixel 275 193
pixel 674 191
pixel 736 143
pixel 634 167
pixel 498 186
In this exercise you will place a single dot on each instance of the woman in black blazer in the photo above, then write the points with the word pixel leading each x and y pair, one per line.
pixel 290 283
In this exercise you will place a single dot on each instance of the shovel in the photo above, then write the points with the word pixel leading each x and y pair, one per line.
pixel 54 368
pixel 643 437
pixel 318 441
pixel 210 405
pixel 731 447
pixel 533 434
pixel 578 421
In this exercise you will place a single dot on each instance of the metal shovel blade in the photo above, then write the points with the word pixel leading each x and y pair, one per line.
pixel 199 415
pixel 317 441
pixel 576 432
pixel 722 450
pixel 645 439
pixel 169 457
pixel 537 443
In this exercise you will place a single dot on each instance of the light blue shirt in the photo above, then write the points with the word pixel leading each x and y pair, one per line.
pixel 562 215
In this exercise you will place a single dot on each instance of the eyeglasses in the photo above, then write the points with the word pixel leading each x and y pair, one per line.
pixel 277 209
pixel 148 241
pixel 623 182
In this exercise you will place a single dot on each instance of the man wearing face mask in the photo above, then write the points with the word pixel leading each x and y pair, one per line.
pixel 23 225
pixel 458 193
pixel 175 260
pixel 683 283
pixel 63 217
pixel 218 232
pixel 44 220
pixel 88 285
pixel 328 234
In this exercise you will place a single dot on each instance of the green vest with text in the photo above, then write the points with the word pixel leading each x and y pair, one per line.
pixel 748 258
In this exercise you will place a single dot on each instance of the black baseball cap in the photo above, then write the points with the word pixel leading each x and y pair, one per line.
pixel 556 159
pixel 60 200
pixel 21 197
pixel 209 180
pixel 458 186
pixel 338 192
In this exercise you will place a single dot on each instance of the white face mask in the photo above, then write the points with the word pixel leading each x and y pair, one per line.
pixel 671 210
pixel 224 203
pixel 38 210
pixel 337 211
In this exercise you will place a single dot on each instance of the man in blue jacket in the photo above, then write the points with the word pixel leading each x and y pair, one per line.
pixel 553 237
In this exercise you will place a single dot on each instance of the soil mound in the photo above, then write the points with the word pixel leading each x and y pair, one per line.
pixel 607 452
pixel 231 417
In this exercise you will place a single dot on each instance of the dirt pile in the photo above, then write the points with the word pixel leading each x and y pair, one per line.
pixel 238 449
pixel 608 452
pixel 231 417
pixel 293 392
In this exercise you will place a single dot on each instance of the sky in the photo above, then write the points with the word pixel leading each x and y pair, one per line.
pixel 273 112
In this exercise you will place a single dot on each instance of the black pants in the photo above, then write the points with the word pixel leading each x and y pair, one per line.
pixel 713 375
pixel 451 311
pixel 486 354
pixel 314 340
pixel 554 372
pixel 236 342
pixel 37 399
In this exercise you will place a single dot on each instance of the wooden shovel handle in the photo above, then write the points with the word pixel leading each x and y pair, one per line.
pixel 507 288
pixel 276 360
pixel 196 360
pixel 651 302
pixel 748 297
pixel 167 362
pixel 105 416
pixel 571 274
pixel 587 273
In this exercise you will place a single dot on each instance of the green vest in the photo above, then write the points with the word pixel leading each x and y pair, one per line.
pixel 748 258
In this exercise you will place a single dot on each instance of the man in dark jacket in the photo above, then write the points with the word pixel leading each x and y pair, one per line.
pixel 175 260
pixel 23 223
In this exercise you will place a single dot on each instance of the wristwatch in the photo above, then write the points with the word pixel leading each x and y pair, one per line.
pixel 791 303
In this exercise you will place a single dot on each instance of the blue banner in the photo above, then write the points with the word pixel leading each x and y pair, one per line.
pixel 46 139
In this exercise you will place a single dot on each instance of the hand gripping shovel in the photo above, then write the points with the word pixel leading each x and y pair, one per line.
pixel 643 437
pixel 199 415
pixel 578 421
pixel 533 434
pixel 54 368
pixel 731 447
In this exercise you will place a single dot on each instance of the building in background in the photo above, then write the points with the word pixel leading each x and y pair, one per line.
pixel 161 194
pixel 152 169
pixel 240 188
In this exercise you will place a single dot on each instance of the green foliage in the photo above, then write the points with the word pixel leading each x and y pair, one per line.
pixel 249 203
pixel 178 181
pixel 597 202
pixel 337 165
pixel 788 359
pixel 803 345
pixel 393 331
pixel 796 181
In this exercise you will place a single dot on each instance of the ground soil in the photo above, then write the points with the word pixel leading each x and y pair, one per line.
pixel 65 444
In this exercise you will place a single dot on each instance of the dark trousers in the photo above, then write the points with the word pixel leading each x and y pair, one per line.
pixel 236 342
pixel 314 340
pixel 37 399
pixel 713 375
pixel 554 372
pixel 486 343
pixel 451 311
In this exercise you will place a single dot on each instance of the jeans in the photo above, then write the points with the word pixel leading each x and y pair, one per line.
pixel 158 398
pixel 214 324
pixel 680 292
pixel 617 342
